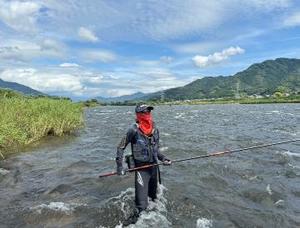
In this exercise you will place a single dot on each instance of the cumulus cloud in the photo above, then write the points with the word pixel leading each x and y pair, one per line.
pixel 43 81
pixel 217 57
pixel 72 82
pixel 20 15
pixel 98 55
pixel 87 34
pixel 292 20
pixel 145 79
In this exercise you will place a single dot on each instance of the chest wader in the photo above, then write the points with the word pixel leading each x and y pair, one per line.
pixel 144 152
pixel 145 186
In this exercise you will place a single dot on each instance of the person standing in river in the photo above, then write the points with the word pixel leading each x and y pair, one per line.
pixel 144 139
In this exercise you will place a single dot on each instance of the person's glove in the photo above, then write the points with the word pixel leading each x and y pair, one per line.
pixel 121 171
pixel 167 162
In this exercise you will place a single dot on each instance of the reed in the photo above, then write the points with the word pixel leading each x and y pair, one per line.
pixel 25 120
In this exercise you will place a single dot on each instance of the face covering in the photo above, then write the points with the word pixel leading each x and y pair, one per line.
pixel 145 122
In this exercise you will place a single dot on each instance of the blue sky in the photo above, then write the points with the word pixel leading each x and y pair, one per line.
pixel 84 49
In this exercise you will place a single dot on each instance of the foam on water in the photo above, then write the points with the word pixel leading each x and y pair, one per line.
pixel 284 132
pixel 293 166
pixel 4 172
pixel 179 116
pixel 291 154
pixel 155 215
pixel 203 223
pixel 127 194
pixel 165 148
pixel 269 190
pixel 121 201
pixel 66 208
pixel 279 203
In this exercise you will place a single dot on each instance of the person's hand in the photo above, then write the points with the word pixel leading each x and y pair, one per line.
pixel 167 162
pixel 121 171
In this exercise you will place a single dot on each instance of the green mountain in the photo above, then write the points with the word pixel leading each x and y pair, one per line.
pixel 264 78
pixel 20 88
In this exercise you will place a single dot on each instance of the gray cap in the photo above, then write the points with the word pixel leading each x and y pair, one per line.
pixel 143 108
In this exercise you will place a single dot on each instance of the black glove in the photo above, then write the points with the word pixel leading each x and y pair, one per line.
pixel 167 162
pixel 120 169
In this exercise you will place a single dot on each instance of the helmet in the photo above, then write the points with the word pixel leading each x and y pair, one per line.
pixel 143 108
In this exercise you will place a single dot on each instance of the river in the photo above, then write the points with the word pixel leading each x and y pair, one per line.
pixel 56 184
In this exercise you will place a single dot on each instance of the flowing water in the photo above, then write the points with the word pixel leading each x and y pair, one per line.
pixel 55 184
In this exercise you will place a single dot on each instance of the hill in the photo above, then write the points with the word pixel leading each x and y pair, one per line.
pixel 20 88
pixel 264 78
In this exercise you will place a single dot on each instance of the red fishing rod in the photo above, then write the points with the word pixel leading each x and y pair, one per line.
pixel 203 156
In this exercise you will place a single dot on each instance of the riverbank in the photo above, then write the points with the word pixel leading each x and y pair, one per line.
pixel 24 120
pixel 295 99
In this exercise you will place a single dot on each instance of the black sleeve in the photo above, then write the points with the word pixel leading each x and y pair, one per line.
pixel 160 156
pixel 122 146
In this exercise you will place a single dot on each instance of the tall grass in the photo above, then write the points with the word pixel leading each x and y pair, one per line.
pixel 24 120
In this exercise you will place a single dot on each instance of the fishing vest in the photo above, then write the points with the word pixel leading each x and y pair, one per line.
pixel 145 148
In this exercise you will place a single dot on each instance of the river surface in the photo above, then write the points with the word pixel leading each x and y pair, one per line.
pixel 56 184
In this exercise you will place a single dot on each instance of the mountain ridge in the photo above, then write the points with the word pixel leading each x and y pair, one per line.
pixel 265 78
pixel 20 88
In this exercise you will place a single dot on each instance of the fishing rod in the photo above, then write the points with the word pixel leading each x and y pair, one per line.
pixel 202 156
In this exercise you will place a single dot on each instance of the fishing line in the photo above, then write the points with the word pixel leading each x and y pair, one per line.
pixel 220 153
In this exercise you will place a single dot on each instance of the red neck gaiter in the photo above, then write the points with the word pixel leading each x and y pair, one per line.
pixel 145 122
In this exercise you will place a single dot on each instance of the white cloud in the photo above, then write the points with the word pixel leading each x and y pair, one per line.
pixel 196 47
pixel 19 50
pixel 152 63
pixel 51 47
pixel 268 5
pixel 66 81
pixel 98 55
pixel 87 34
pixel 292 20
pixel 144 79
pixel 158 20
pixel 69 65
pixel 19 15
pixel 42 80
pixel 80 82
pixel 217 57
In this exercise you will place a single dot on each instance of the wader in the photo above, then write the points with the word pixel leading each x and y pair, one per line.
pixel 145 186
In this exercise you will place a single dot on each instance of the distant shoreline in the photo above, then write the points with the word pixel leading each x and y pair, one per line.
pixel 291 99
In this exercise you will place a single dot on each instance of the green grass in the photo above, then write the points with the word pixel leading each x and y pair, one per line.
pixel 25 120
